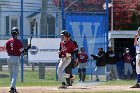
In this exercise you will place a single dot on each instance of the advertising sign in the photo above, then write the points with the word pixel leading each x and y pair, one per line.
pixel 44 50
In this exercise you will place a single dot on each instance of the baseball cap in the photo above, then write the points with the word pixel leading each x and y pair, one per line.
pixel 100 48
pixel 66 33
pixel 14 31
pixel 138 28
pixel 126 48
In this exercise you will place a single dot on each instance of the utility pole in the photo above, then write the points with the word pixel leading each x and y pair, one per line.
pixel 43 21
pixel 0 14
pixel 112 16
pixel 43 32
pixel 0 27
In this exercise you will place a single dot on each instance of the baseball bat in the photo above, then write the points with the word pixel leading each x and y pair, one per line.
pixel 30 39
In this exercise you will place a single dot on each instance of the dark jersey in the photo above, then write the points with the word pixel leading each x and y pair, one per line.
pixel 66 47
pixel 13 47
pixel 82 57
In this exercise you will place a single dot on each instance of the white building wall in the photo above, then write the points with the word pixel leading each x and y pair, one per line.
pixel 11 8
pixel 26 27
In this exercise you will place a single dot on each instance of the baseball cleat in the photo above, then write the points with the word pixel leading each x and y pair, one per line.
pixel 135 86
pixel 63 87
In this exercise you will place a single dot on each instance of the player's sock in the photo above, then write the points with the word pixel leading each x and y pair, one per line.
pixel 138 79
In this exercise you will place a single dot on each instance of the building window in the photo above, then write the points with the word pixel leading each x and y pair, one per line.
pixel 51 27
pixel 7 25
pixel 14 22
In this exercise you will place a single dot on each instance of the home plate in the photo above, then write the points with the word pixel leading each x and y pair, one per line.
pixel 87 83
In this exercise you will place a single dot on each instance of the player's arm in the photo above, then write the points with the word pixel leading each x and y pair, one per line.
pixel 25 49
pixel 135 40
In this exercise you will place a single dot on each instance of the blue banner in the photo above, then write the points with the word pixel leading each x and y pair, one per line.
pixel 88 30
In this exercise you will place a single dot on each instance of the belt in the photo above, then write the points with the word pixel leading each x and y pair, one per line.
pixel 137 53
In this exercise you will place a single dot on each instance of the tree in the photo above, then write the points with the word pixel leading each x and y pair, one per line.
pixel 122 10
pixel 123 13
pixel 134 22
pixel 82 5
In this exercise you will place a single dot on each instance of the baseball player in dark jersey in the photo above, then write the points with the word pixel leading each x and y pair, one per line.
pixel 72 65
pixel 82 59
pixel 67 47
pixel 14 49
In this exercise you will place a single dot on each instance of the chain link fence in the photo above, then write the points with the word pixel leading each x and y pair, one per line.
pixel 39 21
pixel 43 19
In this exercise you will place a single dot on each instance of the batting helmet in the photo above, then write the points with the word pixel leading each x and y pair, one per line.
pixel 138 28
pixel 82 48
pixel 65 33
pixel 14 31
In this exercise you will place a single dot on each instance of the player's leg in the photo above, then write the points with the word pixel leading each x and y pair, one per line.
pixel 97 70
pixel 10 69
pixel 15 69
pixel 115 71
pixel 80 71
pixel 80 74
pixel 13 60
pixel 83 71
pixel 131 71
pixel 64 62
pixel 15 75
pixel 108 69
pixel 125 70
pixel 68 70
pixel 83 74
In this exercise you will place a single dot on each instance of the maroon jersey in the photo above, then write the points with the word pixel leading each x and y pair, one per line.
pixel 13 47
pixel 82 57
pixel 127 58
pixel 67 47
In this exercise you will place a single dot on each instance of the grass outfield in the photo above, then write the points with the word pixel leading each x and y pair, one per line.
pixel 31 79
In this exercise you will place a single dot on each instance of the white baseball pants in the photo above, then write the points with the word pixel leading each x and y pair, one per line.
pixel 64 62
pixel 137 61
pixel 13 62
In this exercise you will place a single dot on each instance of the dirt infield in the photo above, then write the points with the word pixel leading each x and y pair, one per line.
pixel 73 89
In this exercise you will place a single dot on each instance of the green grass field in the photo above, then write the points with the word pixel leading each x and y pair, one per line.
pixel 31 78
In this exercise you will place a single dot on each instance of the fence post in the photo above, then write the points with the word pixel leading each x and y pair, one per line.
pixel 62 13
pixel 56 72
pixel 21 34
pixel 106 24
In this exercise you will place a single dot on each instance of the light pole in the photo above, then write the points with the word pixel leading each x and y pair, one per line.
pixel 112 16
pixel 21 34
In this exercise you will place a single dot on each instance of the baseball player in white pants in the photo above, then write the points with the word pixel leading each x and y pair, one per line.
pixel 67 47
pixel 14 49
pixel 137 45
